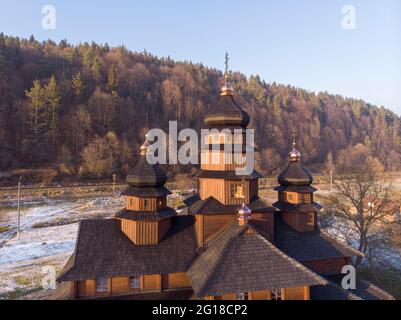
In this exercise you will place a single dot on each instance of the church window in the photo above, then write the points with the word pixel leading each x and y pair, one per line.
pixel 134 282
pixel 237 191
pixel 242 296
pixel 305 198
pixel 276 294
pixel 102 284
pixel 292 197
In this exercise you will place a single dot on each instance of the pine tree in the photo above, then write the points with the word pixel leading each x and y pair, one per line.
pixel 52 96
pixel 36 104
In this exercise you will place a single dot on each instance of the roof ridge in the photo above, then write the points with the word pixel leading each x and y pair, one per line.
pixel 382 291
pixel 339 241
pixel 223 249
pixel 74 254
pixel 294 262
pixel 349 293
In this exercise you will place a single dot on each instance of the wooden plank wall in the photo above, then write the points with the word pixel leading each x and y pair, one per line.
pixel 214 224
pixel 145 232
pixel 138 204
pixel 220 189
pixel 299 293
pixel 120 285
pixel 212 188
pixel 176 281
pixel 220 160
pixel 328 266
pixel 265 221
pixel 152 282
pixel 199 229
pixel 300 221
pixel 208 225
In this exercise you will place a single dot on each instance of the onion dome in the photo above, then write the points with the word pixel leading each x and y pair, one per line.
pixel 244 214
pixel 294 154
pixel 227 113
pixel 145 174
pixel 295 174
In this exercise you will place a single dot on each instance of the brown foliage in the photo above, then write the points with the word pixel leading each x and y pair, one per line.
pixel 105 89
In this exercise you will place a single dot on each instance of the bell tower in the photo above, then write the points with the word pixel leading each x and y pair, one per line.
pixel 295 195
pixel 224 152
pixel 146 218
pixel 221 191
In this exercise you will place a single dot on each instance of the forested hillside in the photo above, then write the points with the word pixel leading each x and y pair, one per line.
pixel 82 111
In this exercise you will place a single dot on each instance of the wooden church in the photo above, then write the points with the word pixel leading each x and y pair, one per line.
pixel 231 244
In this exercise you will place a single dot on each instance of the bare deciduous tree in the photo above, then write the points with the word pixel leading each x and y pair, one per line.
pixel 363 207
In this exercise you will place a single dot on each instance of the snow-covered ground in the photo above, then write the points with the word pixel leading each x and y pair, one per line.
pixel 37 243
pixel 384 254
pixel 21 260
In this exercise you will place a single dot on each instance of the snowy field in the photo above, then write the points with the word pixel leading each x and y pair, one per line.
pixel 42 241
pixel 384 254
pixel 48 235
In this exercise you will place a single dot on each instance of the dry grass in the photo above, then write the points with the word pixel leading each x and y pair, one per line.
pixel 386 278
pixel 4 229
pixel 55 222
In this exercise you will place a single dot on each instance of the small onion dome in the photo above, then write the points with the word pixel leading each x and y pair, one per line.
pixel 227 88
pixel 145 174
pixel 294 154
pixel 295 174
pixel 244 214
pixel 227 113
pixel 146 147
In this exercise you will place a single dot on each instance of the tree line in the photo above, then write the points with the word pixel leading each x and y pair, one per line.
pixel 82 110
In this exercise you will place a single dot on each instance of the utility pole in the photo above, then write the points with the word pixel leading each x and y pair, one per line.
pixel 19 209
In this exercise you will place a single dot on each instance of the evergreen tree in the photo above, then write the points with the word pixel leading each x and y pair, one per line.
pixel 52 96
pixel 36 96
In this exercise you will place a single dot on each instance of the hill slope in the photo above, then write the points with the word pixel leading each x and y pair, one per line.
pixel 87 112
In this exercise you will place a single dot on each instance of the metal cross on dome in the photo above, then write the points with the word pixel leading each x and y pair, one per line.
pixel 227 59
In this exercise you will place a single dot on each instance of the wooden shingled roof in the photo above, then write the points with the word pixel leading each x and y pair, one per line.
pixel 211 206
pixel 102 249
pixel 302 207
pixel 146 191
pixel 229 175
pixel 146 215
pixel 307 246
pixel 227 113
pixel 295 175
pixel 145 174
pixel 240 259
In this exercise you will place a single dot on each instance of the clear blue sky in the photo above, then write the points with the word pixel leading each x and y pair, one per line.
pixel 297 42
